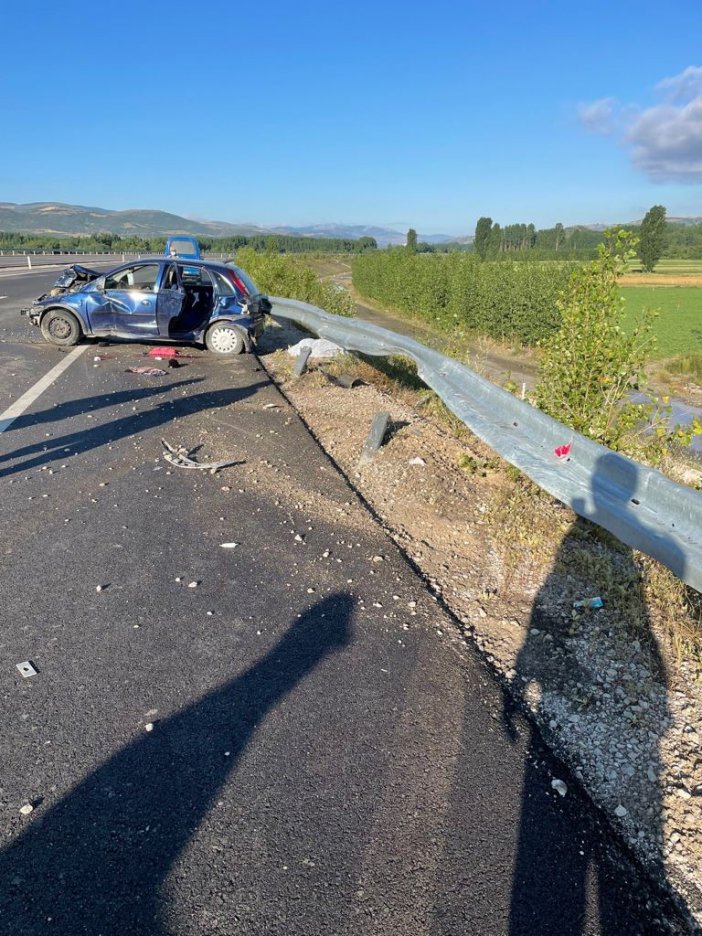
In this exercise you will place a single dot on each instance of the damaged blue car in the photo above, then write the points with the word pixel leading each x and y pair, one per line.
pixel 159 299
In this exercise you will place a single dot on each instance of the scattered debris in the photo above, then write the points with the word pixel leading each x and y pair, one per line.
pixel 147 371
pixel 193 584
pixel 26 809
pixel 417 461
pixel 162 354
pixel 149 726
pixel 563 451
pixel 27 669
pixel 229 545
pixel 589 603
pixel 271 406
pixel 559 786
pixel 181 458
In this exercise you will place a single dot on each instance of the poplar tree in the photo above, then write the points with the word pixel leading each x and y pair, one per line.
pixel 652 237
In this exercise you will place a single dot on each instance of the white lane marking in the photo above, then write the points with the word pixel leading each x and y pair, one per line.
pixel 3 297
pixel 26 400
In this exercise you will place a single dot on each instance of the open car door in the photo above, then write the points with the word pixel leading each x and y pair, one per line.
pixel 169 302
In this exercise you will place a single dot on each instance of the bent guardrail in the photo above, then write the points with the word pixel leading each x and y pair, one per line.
pixel 639 505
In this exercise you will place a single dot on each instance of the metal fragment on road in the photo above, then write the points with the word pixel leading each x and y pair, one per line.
pixel 181 458
pixel 27 669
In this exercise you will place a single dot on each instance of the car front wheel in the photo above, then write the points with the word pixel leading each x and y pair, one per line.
pixel 225 338
pixel 61 328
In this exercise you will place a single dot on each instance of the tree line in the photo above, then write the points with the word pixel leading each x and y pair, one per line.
pixel 656 237
pixel 115 243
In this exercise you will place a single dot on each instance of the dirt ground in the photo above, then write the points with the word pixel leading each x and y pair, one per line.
pixel 660 279
pixel 617 691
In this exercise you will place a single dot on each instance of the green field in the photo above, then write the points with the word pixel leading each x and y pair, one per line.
pixel 678 328
pixel 670 267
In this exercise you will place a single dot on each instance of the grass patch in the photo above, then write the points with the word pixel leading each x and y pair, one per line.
pixel 686 364
pixel 685 267
pixel 678 327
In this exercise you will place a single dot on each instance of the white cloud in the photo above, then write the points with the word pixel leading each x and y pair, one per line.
pixel 665 140
pixel 599 116
pixel 684 87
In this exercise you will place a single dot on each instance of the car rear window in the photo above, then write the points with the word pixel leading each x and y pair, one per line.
pixel 184 248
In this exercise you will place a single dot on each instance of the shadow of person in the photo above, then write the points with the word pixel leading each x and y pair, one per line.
pixel 97 862
pixel 601 678
pixel 40 453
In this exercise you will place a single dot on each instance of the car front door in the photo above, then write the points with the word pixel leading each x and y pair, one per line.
pixel 132 296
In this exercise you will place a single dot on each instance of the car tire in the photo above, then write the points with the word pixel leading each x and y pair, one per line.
pixel 61 328
pixel 225 338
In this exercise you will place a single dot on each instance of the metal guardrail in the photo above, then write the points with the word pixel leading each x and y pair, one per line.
pixel 639 505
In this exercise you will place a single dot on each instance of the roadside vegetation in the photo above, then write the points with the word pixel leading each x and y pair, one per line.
pixel 293 278
pixel 460 294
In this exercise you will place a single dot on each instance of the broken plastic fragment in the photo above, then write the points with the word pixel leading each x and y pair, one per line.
pixel 148 371
pixel 27 669
pixel 229 545
pixel 563 451
pixel 589 603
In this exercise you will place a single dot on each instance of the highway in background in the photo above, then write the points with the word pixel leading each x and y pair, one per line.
pixel 249 714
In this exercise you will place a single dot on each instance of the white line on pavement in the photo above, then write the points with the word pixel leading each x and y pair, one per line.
pixel 26 400
pixel 3 297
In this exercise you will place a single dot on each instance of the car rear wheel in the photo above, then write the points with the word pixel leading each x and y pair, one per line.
pixel 61 328
pixel 225 338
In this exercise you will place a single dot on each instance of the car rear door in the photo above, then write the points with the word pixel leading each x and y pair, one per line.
pixel 169 301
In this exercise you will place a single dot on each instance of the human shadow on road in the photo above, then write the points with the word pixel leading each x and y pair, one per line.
pixel 97 862
pixel 80 406
pixel 593 669
pixel 84 440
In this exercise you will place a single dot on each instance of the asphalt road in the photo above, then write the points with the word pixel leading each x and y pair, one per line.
pixel 296 744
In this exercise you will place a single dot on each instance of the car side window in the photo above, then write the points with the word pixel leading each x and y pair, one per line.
pixel 224 286
pixel 142 278
pixel 170 279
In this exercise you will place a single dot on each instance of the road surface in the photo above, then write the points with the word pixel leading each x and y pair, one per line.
pixel 282 736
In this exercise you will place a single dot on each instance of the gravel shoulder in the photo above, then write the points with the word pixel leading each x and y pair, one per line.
pixel 612 690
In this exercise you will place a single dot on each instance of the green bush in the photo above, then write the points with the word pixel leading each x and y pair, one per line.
pixel 292 278
pixel 590 367
pixel 512 301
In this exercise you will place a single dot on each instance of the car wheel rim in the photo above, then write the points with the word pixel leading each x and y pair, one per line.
pixel 225 340
pixel 59 328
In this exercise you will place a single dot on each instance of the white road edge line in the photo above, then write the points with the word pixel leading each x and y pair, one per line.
pixel 26 400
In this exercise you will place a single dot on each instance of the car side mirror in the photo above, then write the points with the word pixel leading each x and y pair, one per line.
pixel 100 283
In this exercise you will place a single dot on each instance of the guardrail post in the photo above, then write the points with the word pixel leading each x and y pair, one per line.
pixel 301 362
pixel 375 437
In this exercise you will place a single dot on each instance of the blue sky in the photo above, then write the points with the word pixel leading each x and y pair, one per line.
pixel 398 114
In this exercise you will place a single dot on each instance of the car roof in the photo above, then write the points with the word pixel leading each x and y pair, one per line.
pixel 190 261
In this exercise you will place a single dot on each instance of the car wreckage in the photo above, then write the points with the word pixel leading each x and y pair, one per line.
pixel 154 299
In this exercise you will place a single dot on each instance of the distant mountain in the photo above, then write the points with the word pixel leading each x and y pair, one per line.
pixel 57 218
pixel 383 236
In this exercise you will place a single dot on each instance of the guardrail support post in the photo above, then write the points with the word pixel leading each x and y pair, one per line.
pixel 301 362
pixel 375 437
pixel 29 261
